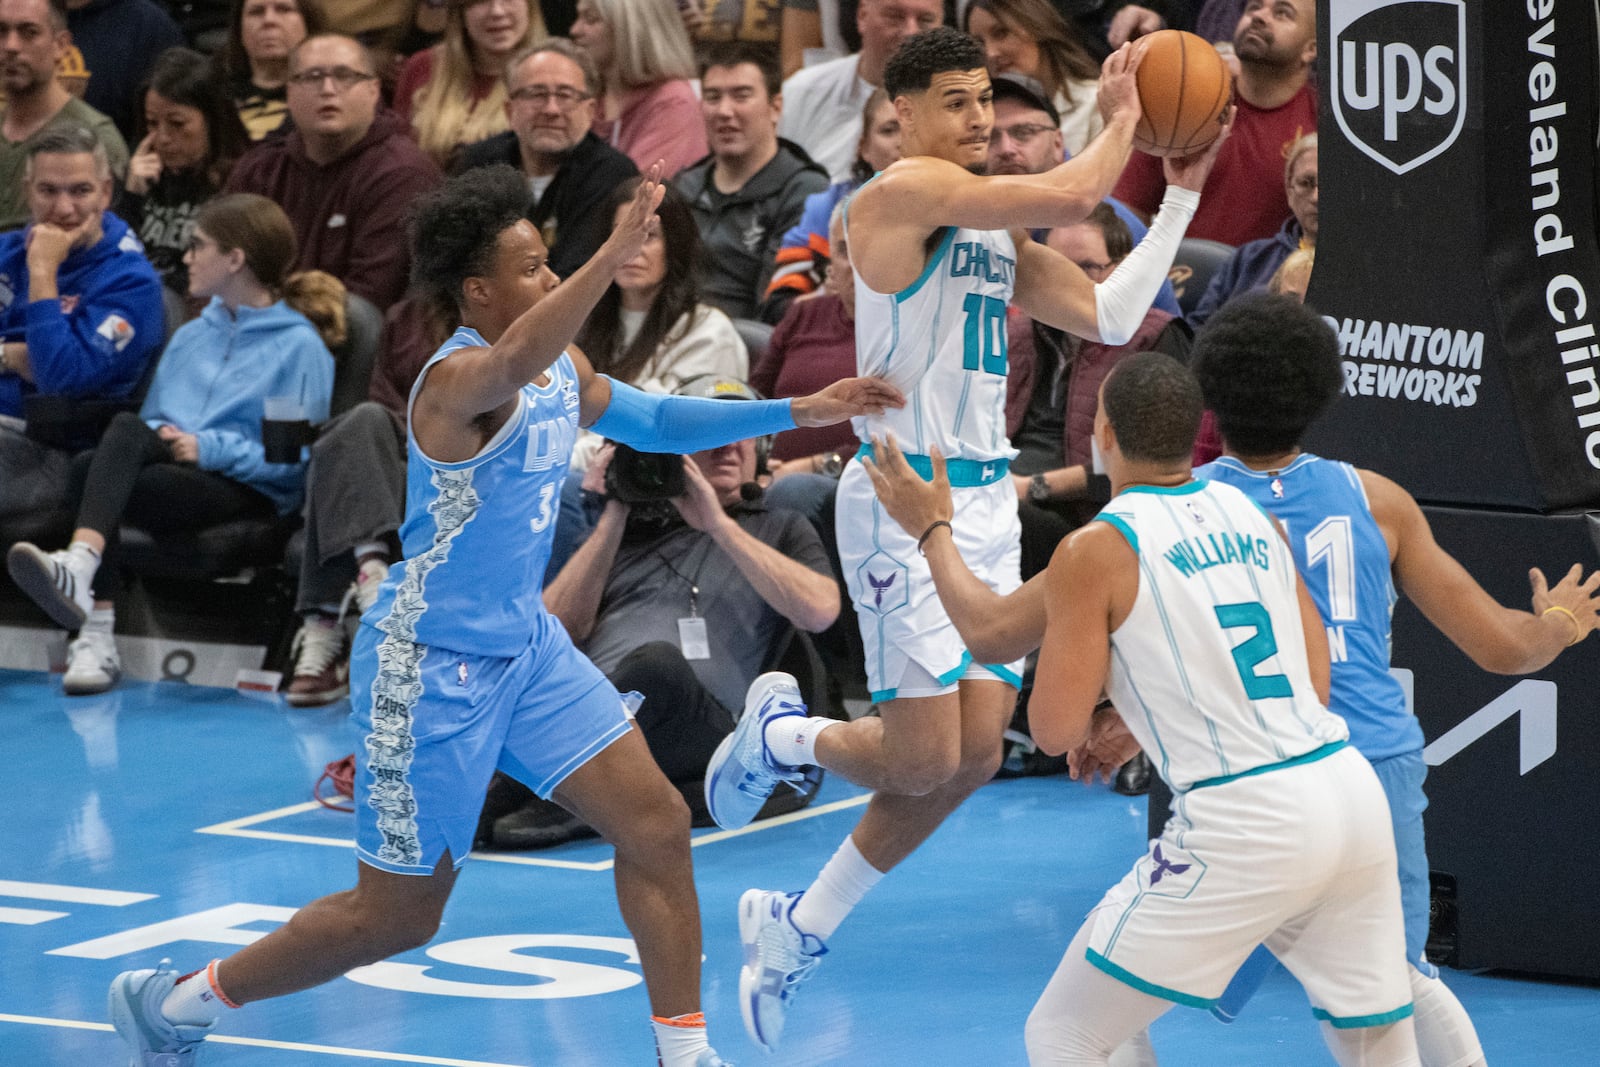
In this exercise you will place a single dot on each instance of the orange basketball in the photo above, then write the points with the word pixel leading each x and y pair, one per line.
pixel 1184 88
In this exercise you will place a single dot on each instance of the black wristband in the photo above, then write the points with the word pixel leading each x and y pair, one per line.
pixel 929 531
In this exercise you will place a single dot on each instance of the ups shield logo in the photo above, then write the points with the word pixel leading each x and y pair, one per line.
pixel 1399 77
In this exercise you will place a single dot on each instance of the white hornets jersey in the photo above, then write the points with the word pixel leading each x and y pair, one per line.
pixel 1209 670
pixel 942 342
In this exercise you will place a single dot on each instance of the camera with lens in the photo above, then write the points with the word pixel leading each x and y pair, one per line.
pixel 636 477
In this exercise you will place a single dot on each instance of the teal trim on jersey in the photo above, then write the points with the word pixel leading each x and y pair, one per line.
pixel 963 473
pixel 1004 673
pixel 927 271
pixel 1127 978
pixel 878 696
pixel 1359 1022
pixel 1116 522
pixel 1310 757
pixel 956 672
pixel 1169 490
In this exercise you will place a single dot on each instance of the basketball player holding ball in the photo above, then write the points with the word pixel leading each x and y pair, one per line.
pixel 940 252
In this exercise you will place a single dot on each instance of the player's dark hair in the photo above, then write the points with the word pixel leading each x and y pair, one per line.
pixel 727 54
pixel 455 230
pixel 1154 406
pixel 1268 366
pixel 922 55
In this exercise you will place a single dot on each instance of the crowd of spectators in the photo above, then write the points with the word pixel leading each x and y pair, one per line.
pixel 337 115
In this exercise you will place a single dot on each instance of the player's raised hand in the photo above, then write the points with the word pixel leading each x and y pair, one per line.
pixel 846 399
pixel 1191 172
pixel 637 221
pixel 1574 598
pixel 913 503
pixel 1118 97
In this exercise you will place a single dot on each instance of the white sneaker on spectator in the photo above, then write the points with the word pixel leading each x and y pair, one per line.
pixel 92 664
pixel 56 581
pixel 321 664
pixel 369 576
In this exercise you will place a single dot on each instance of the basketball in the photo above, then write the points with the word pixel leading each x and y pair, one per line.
pixel 1184 88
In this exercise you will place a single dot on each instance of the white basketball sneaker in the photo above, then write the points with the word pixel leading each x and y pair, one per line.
pixel 92 664
pixel 778 957
pixel 742 773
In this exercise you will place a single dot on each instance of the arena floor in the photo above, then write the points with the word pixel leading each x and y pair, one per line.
pixel 171 821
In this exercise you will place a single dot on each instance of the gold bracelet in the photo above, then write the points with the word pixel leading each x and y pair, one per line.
pixel 1577 626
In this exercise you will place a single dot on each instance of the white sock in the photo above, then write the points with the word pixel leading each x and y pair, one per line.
pixel 371 548
pixel 83 560
pixel 99 620
pixel 195 1000
pixel 680 1039
pixel 844 880
pixel 792 739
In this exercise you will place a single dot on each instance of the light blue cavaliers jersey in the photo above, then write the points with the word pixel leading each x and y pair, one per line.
pixel 1344 559
pixel 477 533
pixel 1209 670
pixel 942 342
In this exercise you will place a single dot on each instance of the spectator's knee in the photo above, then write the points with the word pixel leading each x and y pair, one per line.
pixel 648 663
pixel 368 420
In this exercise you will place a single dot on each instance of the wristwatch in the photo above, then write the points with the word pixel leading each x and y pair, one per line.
pixel 831 464
pixel 1038 488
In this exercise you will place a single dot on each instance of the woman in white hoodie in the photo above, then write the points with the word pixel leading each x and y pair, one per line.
pixel 193 456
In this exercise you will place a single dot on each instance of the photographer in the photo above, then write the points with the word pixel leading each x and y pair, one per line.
pixel 682 600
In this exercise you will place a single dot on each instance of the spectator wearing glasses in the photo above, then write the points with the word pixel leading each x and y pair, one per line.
pixel 33 38
pixel 455 92
pixel 348 173
pixel 192 139
pixel 1052 390
pixel 649 110
pixel 551 89
pixel 254 61
pixel 1254 263
pixel 1029 37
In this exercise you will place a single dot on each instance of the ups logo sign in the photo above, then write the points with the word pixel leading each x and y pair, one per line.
pixel 1398 73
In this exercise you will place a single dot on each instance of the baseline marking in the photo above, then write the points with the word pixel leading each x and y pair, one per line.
pixel 256 1042
pixel 243 828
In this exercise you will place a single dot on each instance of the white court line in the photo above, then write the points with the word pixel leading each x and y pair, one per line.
pixel 256 1042
pixel 71 894
pixel 242 828
pixel 29 916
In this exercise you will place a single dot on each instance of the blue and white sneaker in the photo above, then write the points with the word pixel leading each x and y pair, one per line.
pixel 135 1005
pixel 742 773
pixel 777 958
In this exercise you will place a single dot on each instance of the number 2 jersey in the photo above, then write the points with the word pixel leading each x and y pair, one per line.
pixel 1344 559
pixel 477 534
pixel 1209 670
pixel 942 342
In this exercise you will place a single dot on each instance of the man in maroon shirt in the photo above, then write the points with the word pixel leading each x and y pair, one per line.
pixel 348 174
pixel 1244 199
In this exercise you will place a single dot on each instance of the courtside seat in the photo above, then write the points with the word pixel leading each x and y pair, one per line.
pixel 757 337
pixel 1197 260
pixel 230 549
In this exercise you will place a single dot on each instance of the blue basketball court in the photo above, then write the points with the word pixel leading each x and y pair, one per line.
pixel 170 821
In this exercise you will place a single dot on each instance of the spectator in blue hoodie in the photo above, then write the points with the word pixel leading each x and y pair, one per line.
pixel 193 455
pixel 1253 263
pixel 80 310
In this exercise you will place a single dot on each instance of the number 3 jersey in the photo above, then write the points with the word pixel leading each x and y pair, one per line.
pixel 1342 554
pixel 942 342
pixel 1209 670
pixel 477 534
